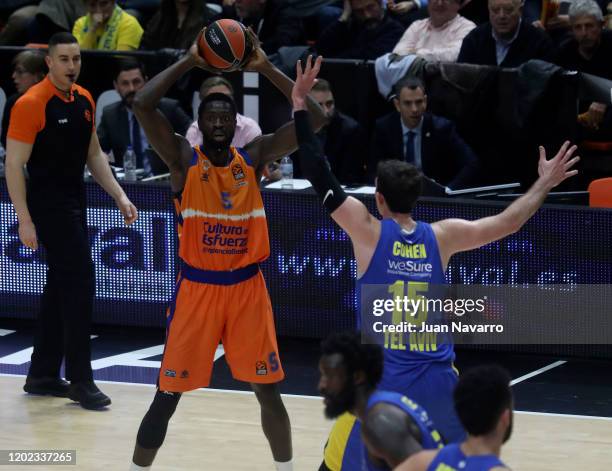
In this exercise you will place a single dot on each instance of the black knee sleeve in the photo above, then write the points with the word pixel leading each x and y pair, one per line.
pixel 154 425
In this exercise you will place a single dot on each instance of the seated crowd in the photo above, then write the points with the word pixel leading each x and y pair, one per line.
pixel 398 35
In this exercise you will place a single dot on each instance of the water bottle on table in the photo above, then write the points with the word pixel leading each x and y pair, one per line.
pixel 129 165
pixel 286 167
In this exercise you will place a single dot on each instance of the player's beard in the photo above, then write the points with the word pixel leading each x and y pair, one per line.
pixel 340 403
pixel 128 99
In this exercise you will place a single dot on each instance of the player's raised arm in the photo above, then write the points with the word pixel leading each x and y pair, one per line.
pixel 350 213
pixel 173 149
pixel 283 142
pixel 457 235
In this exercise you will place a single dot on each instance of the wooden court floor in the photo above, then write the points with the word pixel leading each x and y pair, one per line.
pixel 221 431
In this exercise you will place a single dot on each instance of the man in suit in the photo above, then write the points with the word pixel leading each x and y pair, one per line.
pixel 363 31
pixel 506 40
pixel 119 129
pixel 342 138
pixel 429 142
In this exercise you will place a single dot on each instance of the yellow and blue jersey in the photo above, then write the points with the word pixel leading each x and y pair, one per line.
pixel 418 365
pixel 345 449
pixel 451 458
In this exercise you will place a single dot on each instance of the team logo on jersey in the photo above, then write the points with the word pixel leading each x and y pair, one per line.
pixel 88 116
pixel 184 374
pixel 237 172
pixel 170 373
pixel 205 167
pixel 225 200
pixel 261 368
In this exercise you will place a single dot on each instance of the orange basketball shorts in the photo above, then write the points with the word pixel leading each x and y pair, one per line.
pixel 201 314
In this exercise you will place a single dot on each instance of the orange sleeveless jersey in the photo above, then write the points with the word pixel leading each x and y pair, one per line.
pixel 222 222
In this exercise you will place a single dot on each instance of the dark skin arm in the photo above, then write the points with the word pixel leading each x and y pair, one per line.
pixel 173 149
pixel 271 147
pixel 390 435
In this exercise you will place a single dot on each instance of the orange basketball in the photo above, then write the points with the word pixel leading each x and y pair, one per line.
pixel 225 45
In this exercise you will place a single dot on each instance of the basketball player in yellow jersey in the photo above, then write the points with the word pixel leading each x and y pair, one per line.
pixel 220 292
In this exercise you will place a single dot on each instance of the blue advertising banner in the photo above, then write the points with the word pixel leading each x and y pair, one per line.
pixel 311 270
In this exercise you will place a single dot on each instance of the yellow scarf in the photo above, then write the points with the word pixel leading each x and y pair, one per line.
pixel 108 40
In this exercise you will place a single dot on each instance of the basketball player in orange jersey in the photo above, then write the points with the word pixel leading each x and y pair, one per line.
pixel 220 292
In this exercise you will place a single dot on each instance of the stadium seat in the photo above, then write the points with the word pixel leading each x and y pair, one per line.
pixel 600 193
pixel 106 98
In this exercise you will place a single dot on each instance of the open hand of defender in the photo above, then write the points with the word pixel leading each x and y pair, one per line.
pixel 557 169
pixel 304 81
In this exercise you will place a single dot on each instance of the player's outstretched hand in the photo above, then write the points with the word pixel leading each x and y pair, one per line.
pixel 128 210
pixel 557 169
pixel 305 80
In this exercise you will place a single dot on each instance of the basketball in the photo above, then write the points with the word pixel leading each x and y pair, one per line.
pixel 225 45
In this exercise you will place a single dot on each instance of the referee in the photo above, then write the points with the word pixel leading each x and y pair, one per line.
pixel 52 131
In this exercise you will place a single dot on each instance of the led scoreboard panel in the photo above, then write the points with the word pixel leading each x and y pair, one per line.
pixel 310 272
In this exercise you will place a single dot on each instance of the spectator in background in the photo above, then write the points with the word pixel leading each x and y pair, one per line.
pixel 589 51
pixel 269 21
pixel 29 68
pixel 363 31
pixel 506 40
pixel 54 16
pixel 247 128
pixel 439 37
pixel 106 27
pixel 176 24
pixel 37 23
pixel 553 16
pixel 119 128
pixel 15 20
pixel 430 143
pixel 343 139
pixel 407 11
